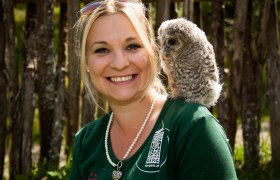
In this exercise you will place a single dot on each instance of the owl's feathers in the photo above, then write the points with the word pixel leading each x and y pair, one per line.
pixel 188 59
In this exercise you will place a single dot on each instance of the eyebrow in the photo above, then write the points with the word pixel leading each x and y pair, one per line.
pixel 131 39
pixel 98 42
pixel 104 42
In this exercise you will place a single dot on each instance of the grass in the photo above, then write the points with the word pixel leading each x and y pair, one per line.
pixel 41 172
pixel 264 171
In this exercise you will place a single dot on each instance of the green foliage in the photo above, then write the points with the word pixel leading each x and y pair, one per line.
pixel 41 171
pixel 238 156
pixel 265 150
pixel 263 172
pixel 36 127
pixel 56 28
pixel 59 174
pixel 179 9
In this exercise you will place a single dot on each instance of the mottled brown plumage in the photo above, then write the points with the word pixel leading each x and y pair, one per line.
pixel 188 59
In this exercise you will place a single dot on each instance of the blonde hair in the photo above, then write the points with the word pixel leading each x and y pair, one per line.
pixel 135 11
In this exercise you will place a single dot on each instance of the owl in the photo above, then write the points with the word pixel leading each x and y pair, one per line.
pixel 188 59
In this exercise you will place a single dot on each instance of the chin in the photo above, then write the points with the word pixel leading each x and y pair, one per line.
pixel 117 97
pixel 126 97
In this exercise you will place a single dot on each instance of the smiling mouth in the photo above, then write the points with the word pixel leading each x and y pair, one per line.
pixel 122 78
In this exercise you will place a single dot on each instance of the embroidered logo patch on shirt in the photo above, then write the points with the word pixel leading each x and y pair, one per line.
pixel 155 158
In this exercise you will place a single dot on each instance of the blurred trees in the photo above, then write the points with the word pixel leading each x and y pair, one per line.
pixel 245 37
pixel 3 93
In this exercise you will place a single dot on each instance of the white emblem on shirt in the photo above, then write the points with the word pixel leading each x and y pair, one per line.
pixel 154 157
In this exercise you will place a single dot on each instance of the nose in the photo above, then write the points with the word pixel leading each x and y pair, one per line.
pixel 119 61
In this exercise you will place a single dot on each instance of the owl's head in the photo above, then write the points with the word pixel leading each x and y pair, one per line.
pixel 176 36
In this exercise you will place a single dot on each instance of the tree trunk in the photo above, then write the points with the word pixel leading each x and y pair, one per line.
pixel 262 39
pixel 73 75
pixel 273 69
pixel 188 9
pixel 16 145
pixel 250 108
pixel 162 12
pixel 28 88
pixel 11 61
pixel 172 10
pixel 3 93
pixel 262 50
pixel 60 89
pixel 12 74
pixel 236 64
pixel 46 75
pixel 197 18
pixel 224 108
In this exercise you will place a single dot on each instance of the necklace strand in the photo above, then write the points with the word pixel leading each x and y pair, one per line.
pixel 134 141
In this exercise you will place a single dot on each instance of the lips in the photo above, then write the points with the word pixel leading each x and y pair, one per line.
pixel 122 78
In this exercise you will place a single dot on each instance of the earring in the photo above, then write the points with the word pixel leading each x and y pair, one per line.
pixel 88 70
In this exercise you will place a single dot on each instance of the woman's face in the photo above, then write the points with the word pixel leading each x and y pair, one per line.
pixel 118 63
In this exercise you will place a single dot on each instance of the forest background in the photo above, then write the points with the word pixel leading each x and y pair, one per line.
pixel 42 102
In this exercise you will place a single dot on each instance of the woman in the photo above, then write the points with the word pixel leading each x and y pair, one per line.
pixel 146 135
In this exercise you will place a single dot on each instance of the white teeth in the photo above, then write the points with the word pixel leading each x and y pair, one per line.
pixel 121 79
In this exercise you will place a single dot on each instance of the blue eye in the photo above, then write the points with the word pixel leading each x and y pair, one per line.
pixel 133 46
pixel 101 50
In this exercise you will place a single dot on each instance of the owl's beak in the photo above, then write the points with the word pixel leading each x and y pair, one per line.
pixel 165 52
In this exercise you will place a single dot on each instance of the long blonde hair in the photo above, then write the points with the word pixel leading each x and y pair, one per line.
pixel 135 11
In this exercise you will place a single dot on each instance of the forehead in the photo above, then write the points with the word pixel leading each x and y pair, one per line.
pixel 116 25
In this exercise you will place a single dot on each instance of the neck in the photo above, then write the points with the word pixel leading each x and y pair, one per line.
pixel 128 118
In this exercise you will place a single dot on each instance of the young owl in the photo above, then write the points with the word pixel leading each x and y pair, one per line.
pixel 188 59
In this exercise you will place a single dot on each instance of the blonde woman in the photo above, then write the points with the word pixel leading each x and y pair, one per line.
pixel 146 135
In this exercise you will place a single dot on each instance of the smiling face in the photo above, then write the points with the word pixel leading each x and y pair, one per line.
pixel 118 63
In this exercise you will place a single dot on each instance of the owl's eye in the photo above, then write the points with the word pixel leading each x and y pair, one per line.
pixel 171 42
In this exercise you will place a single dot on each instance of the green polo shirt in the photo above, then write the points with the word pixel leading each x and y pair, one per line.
pixel 186 143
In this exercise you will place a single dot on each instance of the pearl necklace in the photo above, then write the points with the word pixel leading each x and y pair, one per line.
pixel 117 174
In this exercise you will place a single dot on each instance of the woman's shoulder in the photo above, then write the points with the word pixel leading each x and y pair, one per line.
pixel 183 116
pixel 190 119
pixel 178 108
pixel 197 137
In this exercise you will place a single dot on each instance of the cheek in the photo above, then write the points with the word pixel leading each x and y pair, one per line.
pixel 96 65
pixel 96 68
pixel 97 80
pixel 142 61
